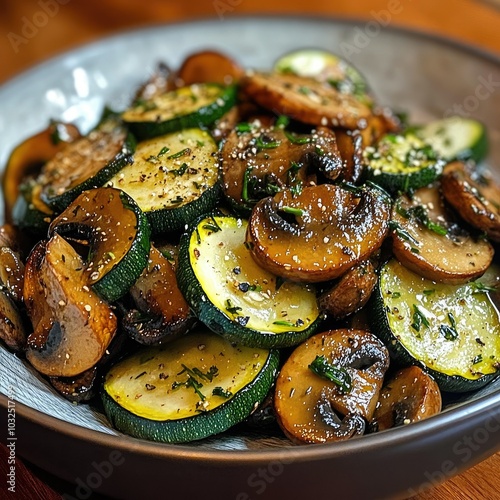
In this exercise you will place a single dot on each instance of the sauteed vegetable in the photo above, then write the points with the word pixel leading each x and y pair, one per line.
pixel 241 242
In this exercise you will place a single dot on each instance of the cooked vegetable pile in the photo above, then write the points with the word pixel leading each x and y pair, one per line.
pixel 263 248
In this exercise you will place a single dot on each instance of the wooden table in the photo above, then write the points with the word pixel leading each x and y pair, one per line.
pixel 68 23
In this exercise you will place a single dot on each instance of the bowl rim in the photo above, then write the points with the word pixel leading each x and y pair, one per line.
pixel 482 406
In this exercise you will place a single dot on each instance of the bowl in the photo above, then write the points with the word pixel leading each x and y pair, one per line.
pixel 427 76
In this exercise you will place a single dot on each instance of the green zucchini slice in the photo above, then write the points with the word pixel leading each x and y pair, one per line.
pixel 326 67
pixel 197 105
pixel 192 388
pixel 400 163
pixel 456 138
pixel 117 233
pixel 235 297
pixel 173 179
pixel 84 164
pixel 29 211
pixel 452 330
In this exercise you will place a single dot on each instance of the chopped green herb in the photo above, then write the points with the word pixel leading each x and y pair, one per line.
pixel 212 226
pixel 298 212
pixel 230 308
pixel 339 376
pixel 282 121
pixel 396 295
pixel 447 332
pixel 282 322
pixel 263 142
pixel 179 154
pixel 181 170
pixel 422 215
pixel 481 287
pixel 402 233
pixel 297 140
pixel 219 391
pixel 419 318
pixel 243 127
pixel 477 359
pixel 429 292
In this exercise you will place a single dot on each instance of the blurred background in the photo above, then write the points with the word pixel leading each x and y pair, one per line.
pixel 33 30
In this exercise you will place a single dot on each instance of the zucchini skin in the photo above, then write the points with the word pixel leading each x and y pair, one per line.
pixel 201 118
pixel 175 219
pixel 200 426
pixel 125 157
pixel 381 328
pixel 215 319
pixel 118 281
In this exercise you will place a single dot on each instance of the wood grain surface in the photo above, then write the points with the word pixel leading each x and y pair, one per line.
pixel 34 30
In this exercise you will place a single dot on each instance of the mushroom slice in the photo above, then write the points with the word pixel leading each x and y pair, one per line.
pixel 475 197
pixel 209 66
pixel 161 311
pixel 350 144
pixel 319 234
pixel 409 396
pixel 259 161
pixel 306 100
pixel 12 327
pixel 72 325
pixel 427 240
pixel 78 389
pixel 351 292
pixel 329 385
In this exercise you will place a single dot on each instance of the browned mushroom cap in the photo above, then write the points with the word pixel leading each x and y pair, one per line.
pixel 78 389
pixel 411 395
pixel 475 197
pixel 162 312
pixel 312 408
pixel 209 66
pixel 13 331
pixel 319 234
pixel 72 325
pixel 427 240
pixel 28 158
pixel 350 145
pixel 305 100
pixel 12 326
pixel 264 160
pixel 351 292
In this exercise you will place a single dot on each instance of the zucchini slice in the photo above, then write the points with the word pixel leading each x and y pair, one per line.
pixel 400 163
pixel 29 211
pixel 456 138
pixel 197 105
pixel 84 164
pixel 117 232
pixel 192 388
pixel 452 330
pixel 236 298
pixel 173 179
pixel 325 67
